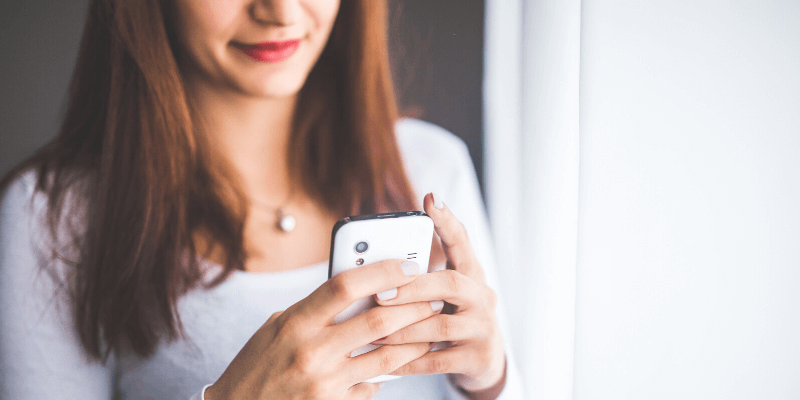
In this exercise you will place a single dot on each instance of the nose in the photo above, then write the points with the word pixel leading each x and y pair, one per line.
pixel 276 12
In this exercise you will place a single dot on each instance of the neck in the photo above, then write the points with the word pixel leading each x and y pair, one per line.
pixel 252 136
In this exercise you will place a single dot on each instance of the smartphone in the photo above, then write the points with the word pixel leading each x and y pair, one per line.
pixel 366 239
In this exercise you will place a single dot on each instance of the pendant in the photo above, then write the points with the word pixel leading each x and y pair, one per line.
pixel 286 222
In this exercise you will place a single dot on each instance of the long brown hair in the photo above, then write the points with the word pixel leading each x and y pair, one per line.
pixel 128 145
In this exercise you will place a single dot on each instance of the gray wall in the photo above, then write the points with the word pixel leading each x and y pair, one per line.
pixel 38 46
pixel 437 51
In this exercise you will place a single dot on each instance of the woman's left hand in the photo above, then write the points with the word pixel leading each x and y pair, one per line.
pixel 476 354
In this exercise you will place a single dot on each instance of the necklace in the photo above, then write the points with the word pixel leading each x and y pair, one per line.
pixel 285 222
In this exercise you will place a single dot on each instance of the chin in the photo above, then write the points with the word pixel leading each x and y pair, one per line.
pixel 277 93
pixel 276 88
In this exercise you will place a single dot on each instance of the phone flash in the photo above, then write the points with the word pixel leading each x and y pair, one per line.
pixel 360 262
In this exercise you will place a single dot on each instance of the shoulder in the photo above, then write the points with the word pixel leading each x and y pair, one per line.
pixel 26 194
pixel 23 237
pixel 25 216
pixel 17 198
pixel 35 256
pixel 24 244
pixel 426 141
pixel 435 159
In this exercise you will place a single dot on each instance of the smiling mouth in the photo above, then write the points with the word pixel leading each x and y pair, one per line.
pixel 270 52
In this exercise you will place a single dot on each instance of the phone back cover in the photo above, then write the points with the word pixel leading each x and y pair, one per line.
pixel 401 238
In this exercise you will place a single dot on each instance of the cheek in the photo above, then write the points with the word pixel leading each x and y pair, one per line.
pixel 204 24
pixel 324 12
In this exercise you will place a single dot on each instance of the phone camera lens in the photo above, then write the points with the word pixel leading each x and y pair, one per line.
pixel 361 247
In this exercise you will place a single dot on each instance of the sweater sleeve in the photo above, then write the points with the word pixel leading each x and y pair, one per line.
pixel 41 356
pixel 464 199
pixel 201 395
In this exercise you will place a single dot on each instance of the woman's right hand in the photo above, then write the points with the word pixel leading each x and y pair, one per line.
pixel 301 354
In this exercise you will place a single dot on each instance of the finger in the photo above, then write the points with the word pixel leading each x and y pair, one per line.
pixel 455 240
pixel 382 361
pixel 339 292
pixel 438 328
pixel 363 390
pixel 448 361
pixel 376 323
pixel 448 285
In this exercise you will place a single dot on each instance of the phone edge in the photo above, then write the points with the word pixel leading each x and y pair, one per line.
pixel 340 223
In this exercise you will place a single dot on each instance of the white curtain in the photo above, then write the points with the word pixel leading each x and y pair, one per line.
pixel 643 183
pixel 531 150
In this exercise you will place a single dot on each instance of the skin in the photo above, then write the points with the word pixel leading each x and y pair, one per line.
pixel 300 353
pixel 247 108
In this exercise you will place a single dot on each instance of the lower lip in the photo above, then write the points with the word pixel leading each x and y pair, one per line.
pixel 271 52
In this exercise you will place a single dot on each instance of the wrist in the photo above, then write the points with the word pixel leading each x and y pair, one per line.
pixel 210 393
pixel 475 391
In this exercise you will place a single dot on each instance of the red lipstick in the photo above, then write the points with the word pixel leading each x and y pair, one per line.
pixel 270 51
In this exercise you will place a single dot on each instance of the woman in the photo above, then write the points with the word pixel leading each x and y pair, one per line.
pixel 147 252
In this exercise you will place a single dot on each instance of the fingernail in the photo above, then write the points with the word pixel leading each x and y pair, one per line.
pixel 381 385
pixel 437 305
pixel 388 294
pixel 437 201
pixel 409 268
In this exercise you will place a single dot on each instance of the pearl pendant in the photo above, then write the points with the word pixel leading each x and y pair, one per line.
pixel 286 222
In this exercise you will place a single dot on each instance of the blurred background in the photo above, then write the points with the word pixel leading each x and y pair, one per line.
pixel 640 162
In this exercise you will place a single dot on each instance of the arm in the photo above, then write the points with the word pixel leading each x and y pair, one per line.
pixel 40 354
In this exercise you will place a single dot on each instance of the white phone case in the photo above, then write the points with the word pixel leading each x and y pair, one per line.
pixel 401 235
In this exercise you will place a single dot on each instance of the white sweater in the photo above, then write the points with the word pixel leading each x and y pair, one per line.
pixel 41 356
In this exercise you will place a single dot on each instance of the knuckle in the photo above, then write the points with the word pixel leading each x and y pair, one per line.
pixel 492 335
pixel 274 322
pixel 292 326
pixel 403 335
pixel 276 319
pixel 376 323
pixel 491 296
pixel 461 233
pixel 387 362
pixel 411 289
pixel 452 281
pixel 436 365
pixel 484 357
pixel 444 327
pixel 340 287
pixel 306 359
